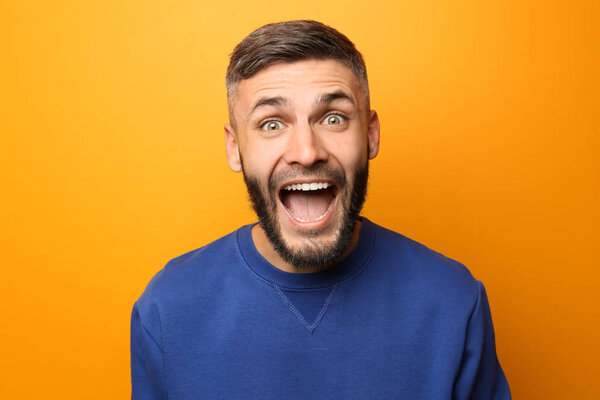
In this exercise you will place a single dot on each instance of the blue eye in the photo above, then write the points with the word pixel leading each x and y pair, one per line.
pixel 272 126
pixel 334 119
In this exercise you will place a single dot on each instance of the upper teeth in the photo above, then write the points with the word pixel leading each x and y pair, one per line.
pixel 308 186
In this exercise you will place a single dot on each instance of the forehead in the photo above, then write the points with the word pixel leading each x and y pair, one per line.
pixel 298 82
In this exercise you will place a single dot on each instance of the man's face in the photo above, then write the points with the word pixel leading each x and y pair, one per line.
pixel 303 139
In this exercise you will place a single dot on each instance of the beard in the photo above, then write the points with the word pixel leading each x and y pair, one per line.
pixel 314 252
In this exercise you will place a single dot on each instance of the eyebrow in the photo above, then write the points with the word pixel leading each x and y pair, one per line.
pixel 280 101
pixel 330 97
pixel 276 101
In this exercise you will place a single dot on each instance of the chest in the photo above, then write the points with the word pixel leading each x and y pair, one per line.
pixel 324 345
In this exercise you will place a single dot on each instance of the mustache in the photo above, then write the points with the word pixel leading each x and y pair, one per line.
pixel 324 172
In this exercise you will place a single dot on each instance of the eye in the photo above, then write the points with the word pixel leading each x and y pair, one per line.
pixel 272 126
pixel 334 119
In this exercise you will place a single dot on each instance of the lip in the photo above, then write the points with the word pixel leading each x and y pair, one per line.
pixel 309 224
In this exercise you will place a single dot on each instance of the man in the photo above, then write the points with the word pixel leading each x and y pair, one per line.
pixel 313 301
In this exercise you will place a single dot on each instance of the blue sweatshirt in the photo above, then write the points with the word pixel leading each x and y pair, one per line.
pixel 394 320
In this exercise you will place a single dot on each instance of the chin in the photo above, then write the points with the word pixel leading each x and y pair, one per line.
pixel 309 226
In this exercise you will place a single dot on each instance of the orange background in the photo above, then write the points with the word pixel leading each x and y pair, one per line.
pixel 113 161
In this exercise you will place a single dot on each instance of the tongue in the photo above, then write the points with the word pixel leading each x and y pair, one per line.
pixel 307 206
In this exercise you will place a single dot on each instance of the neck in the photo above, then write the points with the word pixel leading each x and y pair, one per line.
pixel 266 249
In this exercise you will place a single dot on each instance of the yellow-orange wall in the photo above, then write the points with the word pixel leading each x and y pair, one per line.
pixel 113 161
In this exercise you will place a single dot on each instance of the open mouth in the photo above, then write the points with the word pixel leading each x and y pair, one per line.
pixel 308 202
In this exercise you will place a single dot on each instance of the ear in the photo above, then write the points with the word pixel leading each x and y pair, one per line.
pixel 373 135
pixel 232 148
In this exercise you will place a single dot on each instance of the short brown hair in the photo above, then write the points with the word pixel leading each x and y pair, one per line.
pixel 288 42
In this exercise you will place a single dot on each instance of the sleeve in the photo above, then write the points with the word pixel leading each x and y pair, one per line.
pixel 480 376
pixel 147 367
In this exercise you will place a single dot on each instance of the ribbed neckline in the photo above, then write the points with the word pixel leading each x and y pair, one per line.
pixel 348 268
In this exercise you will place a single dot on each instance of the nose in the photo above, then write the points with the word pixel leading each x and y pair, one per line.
pixel 305 147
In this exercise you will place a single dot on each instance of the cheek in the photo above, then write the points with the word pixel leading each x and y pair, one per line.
pixel 352 154
pixel 261 158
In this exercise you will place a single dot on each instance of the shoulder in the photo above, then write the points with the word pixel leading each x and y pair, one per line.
pixel 422 270
pixel 189 273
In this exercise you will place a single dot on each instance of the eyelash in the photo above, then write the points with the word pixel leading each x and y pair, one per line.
pixel 342 117
pixel 263 126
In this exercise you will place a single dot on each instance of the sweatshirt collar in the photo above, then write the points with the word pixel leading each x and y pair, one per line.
pixel 346 269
